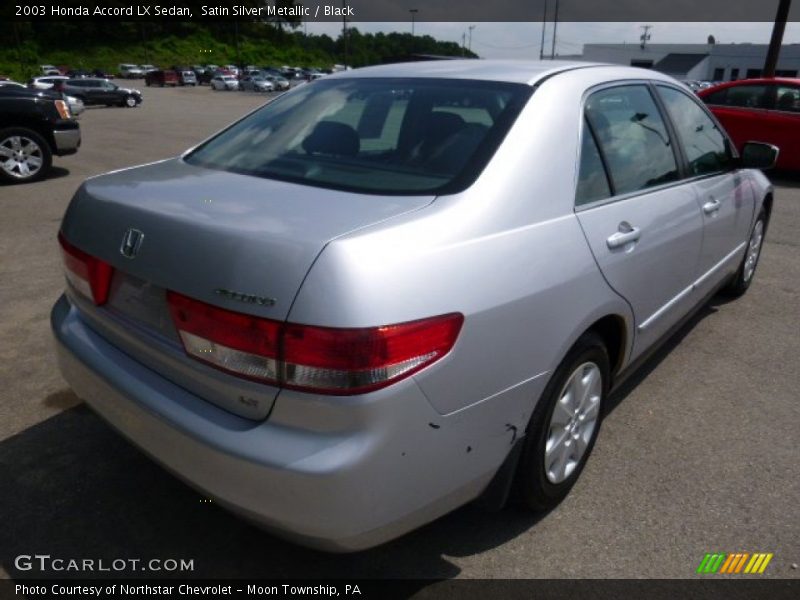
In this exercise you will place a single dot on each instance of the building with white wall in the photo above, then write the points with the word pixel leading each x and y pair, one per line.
pixel 710 62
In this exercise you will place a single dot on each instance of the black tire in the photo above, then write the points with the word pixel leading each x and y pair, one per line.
pixel 744 276
pixel 129 101
pixel 44 153
pixel 534 487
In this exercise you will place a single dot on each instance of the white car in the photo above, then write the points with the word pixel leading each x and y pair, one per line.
pixel 224 82
pixel 47 83
pixel 279 83
pixel 49 70
pixel 76 105
pixel 130 71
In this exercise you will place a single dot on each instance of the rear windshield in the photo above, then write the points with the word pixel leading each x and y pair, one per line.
pixel 388 136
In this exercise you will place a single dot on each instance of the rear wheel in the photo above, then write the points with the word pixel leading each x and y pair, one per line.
pixel 25 155
pixel 747 270
pixel 564 425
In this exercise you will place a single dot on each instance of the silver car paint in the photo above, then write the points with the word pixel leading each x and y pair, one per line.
pixel 510 253
pixel 226 239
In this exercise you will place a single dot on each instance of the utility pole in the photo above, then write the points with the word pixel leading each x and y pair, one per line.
pixel 344 33
pixel 469 46
pixel 544 28
pixel 645 37
pixel 777 38
pixel 19 50
pixel 555 30
pixel 413 12
pixel 144 44
pixel 464 44
pixel 238 53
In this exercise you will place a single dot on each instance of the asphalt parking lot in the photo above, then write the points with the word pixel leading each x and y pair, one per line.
pixel 699 454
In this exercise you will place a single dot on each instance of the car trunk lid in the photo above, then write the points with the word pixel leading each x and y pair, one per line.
pixel 239 242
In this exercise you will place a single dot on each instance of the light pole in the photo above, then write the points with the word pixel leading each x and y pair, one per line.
pixel 469 46
pixel 413 12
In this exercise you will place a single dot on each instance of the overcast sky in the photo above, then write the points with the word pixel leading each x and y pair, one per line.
pixel 523 40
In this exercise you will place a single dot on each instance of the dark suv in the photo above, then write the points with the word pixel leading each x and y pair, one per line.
pixel 34 125
pixel 102 91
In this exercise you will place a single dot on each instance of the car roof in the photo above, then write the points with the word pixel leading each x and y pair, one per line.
pixel 511 71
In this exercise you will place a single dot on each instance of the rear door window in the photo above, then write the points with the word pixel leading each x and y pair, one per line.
pixel 633 138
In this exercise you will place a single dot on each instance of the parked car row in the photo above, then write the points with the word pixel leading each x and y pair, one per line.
pixel 696 85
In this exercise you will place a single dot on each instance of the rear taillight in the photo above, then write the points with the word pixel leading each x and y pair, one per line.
pixel 319 359
pixel 87 274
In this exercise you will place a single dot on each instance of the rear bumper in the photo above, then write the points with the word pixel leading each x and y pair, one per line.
pixel 339 475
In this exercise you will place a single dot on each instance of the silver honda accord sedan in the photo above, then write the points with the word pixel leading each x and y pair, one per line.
pixel 399 289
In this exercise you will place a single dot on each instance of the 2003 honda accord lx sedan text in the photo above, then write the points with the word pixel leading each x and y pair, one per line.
pixel 397 289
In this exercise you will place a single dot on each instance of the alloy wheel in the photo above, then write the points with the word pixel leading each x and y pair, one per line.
pixel 573 422
pixel 20 157
pixel 753 251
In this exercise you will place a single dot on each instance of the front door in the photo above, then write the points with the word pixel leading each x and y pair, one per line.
pixel 723 193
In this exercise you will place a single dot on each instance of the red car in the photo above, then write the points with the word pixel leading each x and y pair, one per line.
pixel 762 110
pixel 161 78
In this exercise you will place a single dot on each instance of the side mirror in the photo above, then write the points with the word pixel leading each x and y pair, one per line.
pixel 757 155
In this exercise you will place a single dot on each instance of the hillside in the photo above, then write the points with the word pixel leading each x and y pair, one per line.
pixel 103 45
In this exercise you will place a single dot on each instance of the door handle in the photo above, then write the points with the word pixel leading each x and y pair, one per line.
pixel 625 235
pixel 711 206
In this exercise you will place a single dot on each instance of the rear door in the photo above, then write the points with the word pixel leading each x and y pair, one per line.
pixel 642 222
pixel 723 193
pixel 94 92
